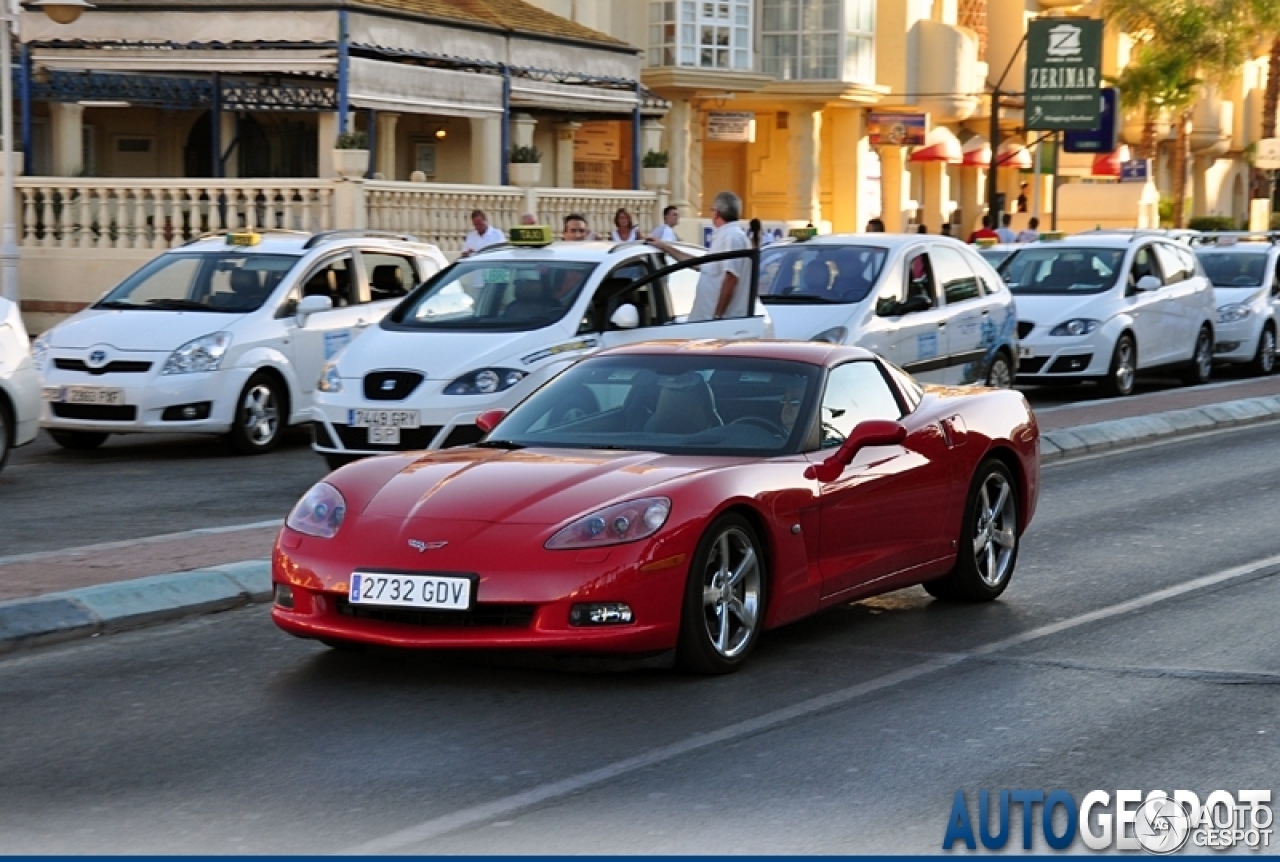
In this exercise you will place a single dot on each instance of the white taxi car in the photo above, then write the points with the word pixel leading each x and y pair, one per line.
pixel 929 304
pixel 19 383
pixel 224 335
pixel 493 327
pixel 1106 306
pixel 1245 272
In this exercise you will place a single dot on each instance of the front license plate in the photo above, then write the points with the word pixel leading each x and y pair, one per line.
pixel 83 395
pixel 411 591
pixel 384 419
pixel 381 436
pixel 1026 353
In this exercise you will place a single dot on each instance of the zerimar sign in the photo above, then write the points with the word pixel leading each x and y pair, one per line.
pixel 1064 74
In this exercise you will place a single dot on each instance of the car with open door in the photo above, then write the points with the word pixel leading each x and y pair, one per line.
pixel 707 491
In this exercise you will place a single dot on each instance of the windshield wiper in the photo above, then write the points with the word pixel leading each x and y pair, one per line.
pixel 178 305
pixel 499 444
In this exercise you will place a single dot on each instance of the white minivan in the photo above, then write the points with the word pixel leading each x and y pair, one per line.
pixel 19 383
pixel 224 335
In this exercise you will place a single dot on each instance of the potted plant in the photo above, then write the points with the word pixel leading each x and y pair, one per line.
pixel 654 171
pixel 524 167
pixel 351 155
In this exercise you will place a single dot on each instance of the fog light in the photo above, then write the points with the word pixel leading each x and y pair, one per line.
pixel 608 614
pixel 284 596
pixel 187 412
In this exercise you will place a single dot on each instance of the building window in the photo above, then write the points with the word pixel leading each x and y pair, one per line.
pixel 819 40
pixel 704 34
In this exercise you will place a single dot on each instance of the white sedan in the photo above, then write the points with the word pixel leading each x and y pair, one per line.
pixel 19 383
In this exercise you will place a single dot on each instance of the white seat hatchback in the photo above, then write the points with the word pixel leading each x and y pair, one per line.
pixel 19 383
pixel 224 335
pixel 1245 272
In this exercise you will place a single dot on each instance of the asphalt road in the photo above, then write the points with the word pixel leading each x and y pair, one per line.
pixel 850 732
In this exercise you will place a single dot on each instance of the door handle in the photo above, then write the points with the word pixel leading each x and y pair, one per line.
pixel 942 324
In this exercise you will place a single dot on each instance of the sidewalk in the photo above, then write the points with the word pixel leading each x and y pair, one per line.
pixel 60 595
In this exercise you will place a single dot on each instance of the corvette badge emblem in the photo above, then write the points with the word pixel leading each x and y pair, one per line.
pixel 420 546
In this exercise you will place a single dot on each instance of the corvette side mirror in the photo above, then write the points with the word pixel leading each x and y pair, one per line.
pixel 489 419
pixel 873 432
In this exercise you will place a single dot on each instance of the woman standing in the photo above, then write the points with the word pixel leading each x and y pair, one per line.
pixel 624 227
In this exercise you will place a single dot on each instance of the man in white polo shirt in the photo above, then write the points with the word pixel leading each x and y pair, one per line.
pixel 723 288
pixel 483 236
pixel 667 230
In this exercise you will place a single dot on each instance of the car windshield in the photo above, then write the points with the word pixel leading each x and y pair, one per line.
pixel 680 405
pixel 801 274
pixel 1234 269
pixel 1067 270
pixel 995 256
pixel 230 282
pixel 494 295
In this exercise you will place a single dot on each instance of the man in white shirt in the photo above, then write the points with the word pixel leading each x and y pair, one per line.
pixel 723 287
pixel 483 236
pixel 1032 232
pixel 667 230
pixel 1005 231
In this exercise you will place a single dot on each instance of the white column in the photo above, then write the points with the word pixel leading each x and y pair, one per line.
pixel 805 154
pixel 680 146
pixel 564 154
pixel 227 134
pixel 326 138
pixel 67 131
pixel 935 196
pixel 891 163
pixel 385 160
pixel 486 151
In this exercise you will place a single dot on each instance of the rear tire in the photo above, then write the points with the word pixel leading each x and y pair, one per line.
pixel 1201 367
pixel 82 440
pixel 988 539
pixel 724 599
pixel 1124 368
pixel 1264 361
pixel 1000 374
pixel 262 411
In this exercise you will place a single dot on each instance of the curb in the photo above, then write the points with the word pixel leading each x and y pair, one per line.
pixel 90 611
pixel 1117 433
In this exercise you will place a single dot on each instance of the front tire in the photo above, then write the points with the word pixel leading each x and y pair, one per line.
pixel 1124 368
pixel 261 414
pixel 723 611
pixel 1264 361
pixel 1201 367
pixel 1000 373
pixel 988 539
pixel 81 440
pixel 6 433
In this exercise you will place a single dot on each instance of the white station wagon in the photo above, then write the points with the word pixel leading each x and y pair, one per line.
pixel 493 327
pixel 224 335
pixel 19 383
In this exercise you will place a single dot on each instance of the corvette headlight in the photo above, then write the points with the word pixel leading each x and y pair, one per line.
pixel 40 351
pixel 200 354
pixel 834 335
pixel 485 381
pixel 614 525
pixel 329 379
pixel 1075 326
pixel 1233 313
pixel 319 513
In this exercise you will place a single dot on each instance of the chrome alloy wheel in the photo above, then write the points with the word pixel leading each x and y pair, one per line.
pixel 731 593
pixel 1266 360
pixel 261 414
pixel 1000 375
pixel 995 531
pixel 1124 367
pixel 1204 355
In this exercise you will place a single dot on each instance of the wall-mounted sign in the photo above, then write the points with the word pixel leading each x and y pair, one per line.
pixel 1267 157
pixel 1106 136
pixel 1064 73
pixel 734 126
pixel 597 142
pixel 1135 171
pixel 897 130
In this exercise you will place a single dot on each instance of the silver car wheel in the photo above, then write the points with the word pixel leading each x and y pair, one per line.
pixel 1000 375
pixel 1125 370
pixel 995 531
pixel 1204 354
pixel 261 414
pixel 731 593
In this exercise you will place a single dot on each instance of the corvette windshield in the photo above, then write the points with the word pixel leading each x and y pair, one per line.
pixel 670 404
pixel 501 295
pixel 231 282
pixel 801 274
pixel 1234 269
pixel 1069 270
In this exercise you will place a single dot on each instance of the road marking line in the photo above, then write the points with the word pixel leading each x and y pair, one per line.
pixel 508 805
pixel 129 543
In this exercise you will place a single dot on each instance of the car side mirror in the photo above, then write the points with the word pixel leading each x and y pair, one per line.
pixel 310 305
pixel 873 432
pixel 625 317
pixel 489 419
pixel 1148 283
pixel 915 304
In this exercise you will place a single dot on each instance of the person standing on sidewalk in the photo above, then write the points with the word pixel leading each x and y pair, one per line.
pixel 1031 232
pixel 722 284
pixel 667 230
pixel 482 236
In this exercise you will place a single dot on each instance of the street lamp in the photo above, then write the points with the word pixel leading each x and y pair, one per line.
pixel 62 12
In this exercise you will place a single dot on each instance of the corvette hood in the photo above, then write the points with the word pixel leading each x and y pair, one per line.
pixel 138 330
pixel 524 486
pixel 1052 310
pixel 443 355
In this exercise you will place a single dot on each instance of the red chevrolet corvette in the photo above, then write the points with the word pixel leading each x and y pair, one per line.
pixel 669 498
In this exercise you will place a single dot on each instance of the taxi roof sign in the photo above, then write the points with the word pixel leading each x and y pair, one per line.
pixel 1052 235
pixel 985 242
pixel 530 235
pixel 802 233
pixel 244 238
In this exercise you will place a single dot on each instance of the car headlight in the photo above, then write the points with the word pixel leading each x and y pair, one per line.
pixel 200 354
pixel 1233 313
pixel 329 380
pixel 485 381
pixel 834 335
pixel 1075 326
pixel 614 525
pixel 319 513
pixel 40 351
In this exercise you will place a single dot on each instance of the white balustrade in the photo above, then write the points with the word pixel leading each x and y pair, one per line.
pixel 599 208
